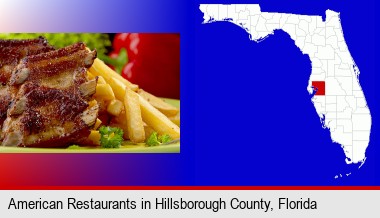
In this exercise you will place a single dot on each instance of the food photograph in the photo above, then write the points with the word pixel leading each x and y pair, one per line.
pixel 89 93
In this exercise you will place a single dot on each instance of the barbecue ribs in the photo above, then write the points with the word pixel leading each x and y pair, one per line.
pixel 50 96
pixel 11 52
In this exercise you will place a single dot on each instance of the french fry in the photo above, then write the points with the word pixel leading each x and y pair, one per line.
pixel 148 131
pixel 92 103
pixel 118 88
pixel 104 91
pixel 101 103
pixel 175 119
pixel 115 107
pixel 158 103
pixel 123 90
pixel 133 115
pixel 158 121
pixel 90 76
pixel 97 123
pixel 94 137
pixel 99 68
pixel 130 85
pixel 101 80
pixel 154 118
pixel 121 122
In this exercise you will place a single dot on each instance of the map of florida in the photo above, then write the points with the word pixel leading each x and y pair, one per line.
pixel 334 81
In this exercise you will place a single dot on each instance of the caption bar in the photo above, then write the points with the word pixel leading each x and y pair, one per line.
pixel 189 203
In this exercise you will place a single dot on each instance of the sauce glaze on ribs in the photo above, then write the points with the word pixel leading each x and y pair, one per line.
pixel 50 99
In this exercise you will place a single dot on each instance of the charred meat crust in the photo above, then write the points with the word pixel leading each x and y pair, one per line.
pixel 50 94
pixel 52 63
pixel 25 42
pixel 65 103
pixel 11 53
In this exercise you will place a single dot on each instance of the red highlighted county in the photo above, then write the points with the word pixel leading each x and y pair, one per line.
pixel 319 87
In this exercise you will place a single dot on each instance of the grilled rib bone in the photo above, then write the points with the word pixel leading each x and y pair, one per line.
pixel 87 89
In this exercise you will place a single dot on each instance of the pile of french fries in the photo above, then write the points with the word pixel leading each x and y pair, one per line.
pixel 134 110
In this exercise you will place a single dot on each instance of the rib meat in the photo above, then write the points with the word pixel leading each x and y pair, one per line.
pixel 11 52
pixel 50 99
